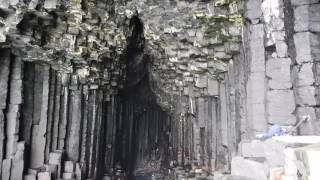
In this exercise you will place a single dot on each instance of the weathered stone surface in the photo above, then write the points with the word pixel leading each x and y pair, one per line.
pixel 309 127
pixel 314 17
pixel 2 136
pixel 279 72
pixel 282 49
pixel 68 166
pixel 30 177
pixel 301 15
pixel 50 4
pixel 44 176
pixel 248 168
pixel 256 46
pixel 73 137
pixel 12 129
pixel 202 81
pixel 309 155
pixel 270 150
pixel 253 9
pixel 304 43
pixel 303 2
pixel 256 88
pixel 40 122
pixel 18 163
pixel 303 75
pixel 213 87
pixel 306 96
pixel 6 169
pixel 281 106
pixel 4 76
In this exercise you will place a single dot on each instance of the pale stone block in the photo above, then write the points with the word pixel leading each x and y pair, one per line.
pixel 256 88
pixel 6 169
pixel 305 43
pixel 306 96
pixel 213 87
pixel 301 15
pixel 279 72
pixel 310 156
pixel 30 177
pixel 314 17
pixel 281 106
pixel 248 168
pixel 55 158
pixel 253 9
pixel 67 175
pixel 303 76
pixel 50 4
pixel 282 49
pixel 201 81
pixel 68 166
pixel 44 176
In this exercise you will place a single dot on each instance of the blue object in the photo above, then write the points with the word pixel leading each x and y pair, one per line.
pixel 274 130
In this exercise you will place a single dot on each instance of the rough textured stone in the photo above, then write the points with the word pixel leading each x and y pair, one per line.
pixel 244 167
pixel 213 87
pixel 40 124
pixel 281 106
pixel 314 18
pixel 44 176
pixel 304 42
pixel 303 2
pixel 279 72
pixel 303 76
pixel 301 15
pixel 6 169
pixel 306 96
pixel 254 10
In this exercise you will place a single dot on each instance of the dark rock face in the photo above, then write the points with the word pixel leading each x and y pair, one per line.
pixel 92 89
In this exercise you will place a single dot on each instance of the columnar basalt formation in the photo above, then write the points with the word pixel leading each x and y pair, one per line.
pixel 89 86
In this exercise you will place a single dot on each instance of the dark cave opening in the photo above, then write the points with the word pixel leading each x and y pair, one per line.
pixel 143 128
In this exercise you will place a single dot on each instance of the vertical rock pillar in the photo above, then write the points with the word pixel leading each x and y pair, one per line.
pixel 4 75
pixel 73 133
pixel 40 116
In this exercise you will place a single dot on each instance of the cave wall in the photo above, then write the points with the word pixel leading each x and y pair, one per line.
pixel 213 73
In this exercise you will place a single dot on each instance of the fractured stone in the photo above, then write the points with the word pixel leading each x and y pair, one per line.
pixel 310 127
pixel 303 76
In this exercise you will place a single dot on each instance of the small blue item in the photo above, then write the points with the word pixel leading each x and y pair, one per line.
pixel 274 130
